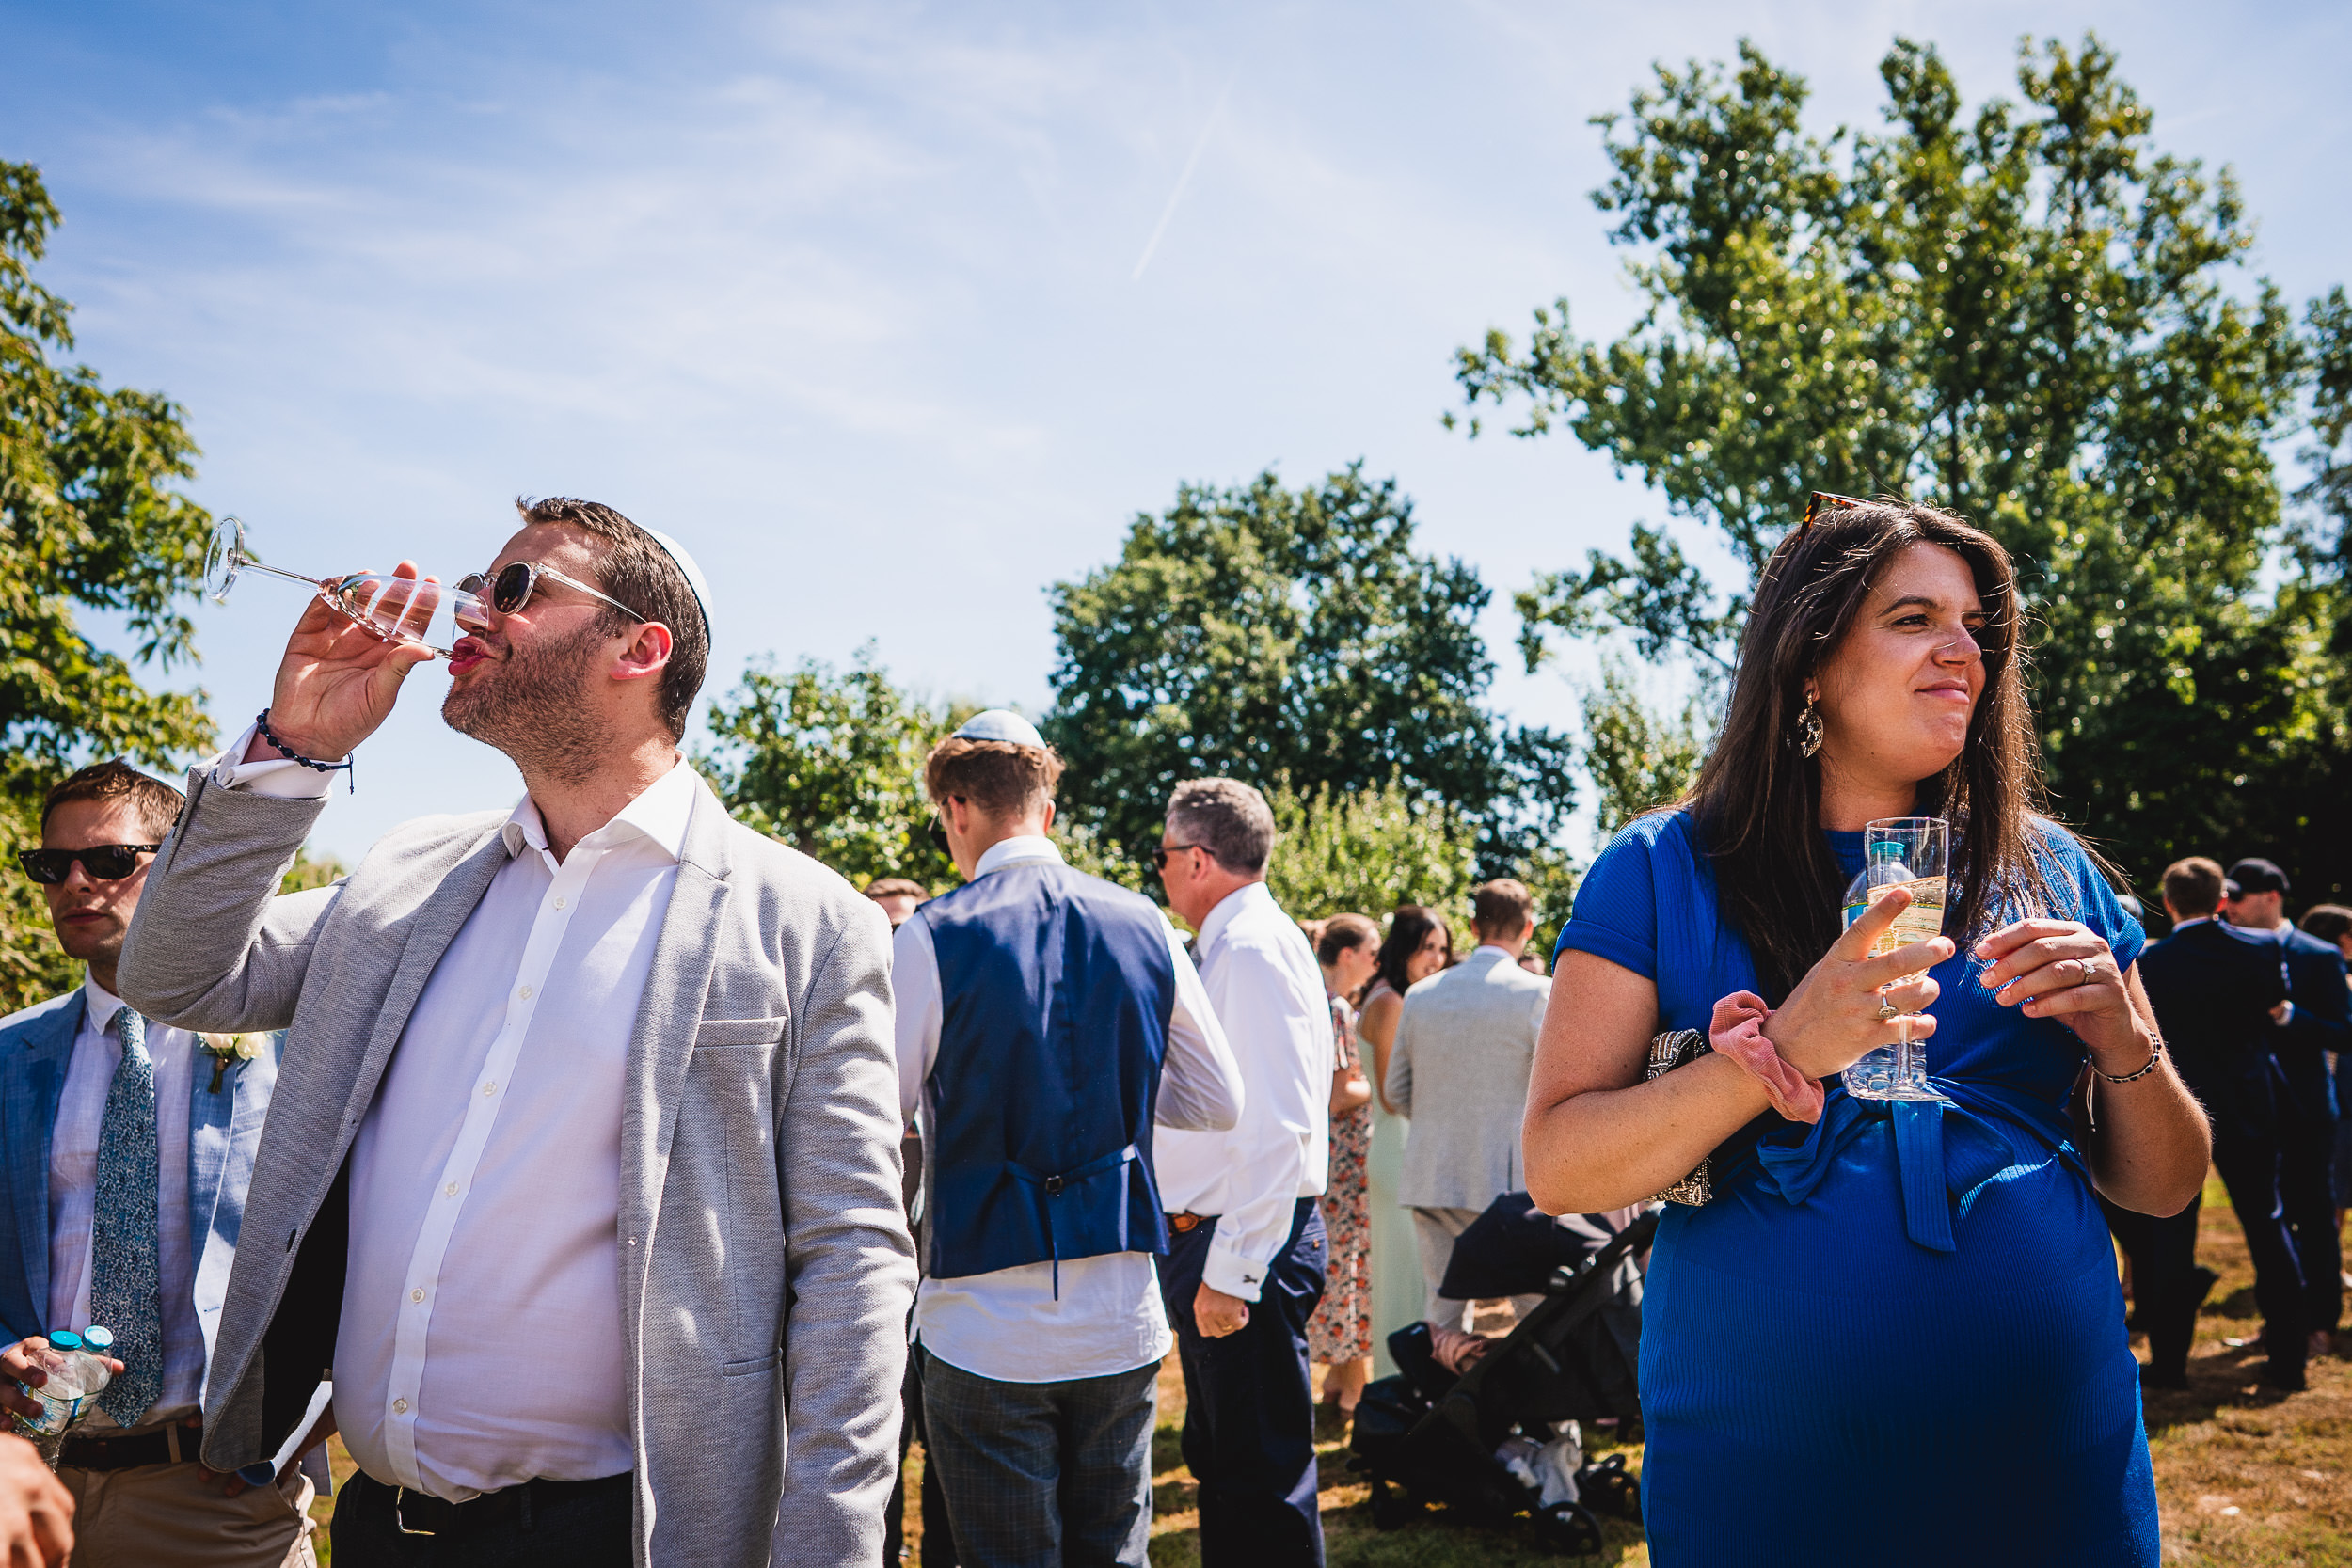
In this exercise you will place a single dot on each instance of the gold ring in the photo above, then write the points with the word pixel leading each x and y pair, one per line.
pixel 1887 1010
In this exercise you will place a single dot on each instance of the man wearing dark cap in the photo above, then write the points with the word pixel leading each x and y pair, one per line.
pixel 2311 1022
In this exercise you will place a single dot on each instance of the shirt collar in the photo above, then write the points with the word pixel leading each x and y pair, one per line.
pixel 659 816
pixel 101 1003
pixel 2192 920
pixel 1497 952
pixel 1021 847
pixel 1241 901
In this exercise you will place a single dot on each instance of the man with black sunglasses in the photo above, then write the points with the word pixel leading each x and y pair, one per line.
pixel 96 1100
pixel 585 1180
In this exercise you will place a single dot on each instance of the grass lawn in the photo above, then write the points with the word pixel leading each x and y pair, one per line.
pixel 2247 1478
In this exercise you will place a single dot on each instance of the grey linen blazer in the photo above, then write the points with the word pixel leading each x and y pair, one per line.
pixel 1465 1047
pixel 765 1271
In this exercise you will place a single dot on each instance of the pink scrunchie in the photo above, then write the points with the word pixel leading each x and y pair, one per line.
pixel 1737 1030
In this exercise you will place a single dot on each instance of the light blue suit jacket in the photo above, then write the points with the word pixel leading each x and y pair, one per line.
pixel 224 1130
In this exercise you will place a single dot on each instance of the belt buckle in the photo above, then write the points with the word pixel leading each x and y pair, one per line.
pixel 399 1493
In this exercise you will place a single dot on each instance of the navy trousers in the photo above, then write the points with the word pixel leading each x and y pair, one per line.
pixel 2166 1289
pixel 2307 1195
pixel 2250 1168
pixel 588 1529
pixel 1250 1414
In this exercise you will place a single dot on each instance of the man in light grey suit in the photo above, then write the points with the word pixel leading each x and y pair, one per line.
pixel 584 1145
pixel 1465 1046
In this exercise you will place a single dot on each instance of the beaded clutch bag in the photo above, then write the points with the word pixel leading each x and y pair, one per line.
pixel 1679 1048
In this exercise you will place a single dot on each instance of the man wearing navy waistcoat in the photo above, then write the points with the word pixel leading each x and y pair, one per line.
pixel 1046 1020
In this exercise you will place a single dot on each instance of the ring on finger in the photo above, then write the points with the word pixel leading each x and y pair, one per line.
pixel 1888 1010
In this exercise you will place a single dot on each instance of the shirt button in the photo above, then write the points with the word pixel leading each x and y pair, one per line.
pixel 524 994
pixel 451 1189
pixel 489 1088
pixel 400 1408
pixel 559 900
pixel 417 1294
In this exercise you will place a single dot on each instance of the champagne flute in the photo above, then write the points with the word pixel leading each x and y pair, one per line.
pixel 415 610
pixel 1911 853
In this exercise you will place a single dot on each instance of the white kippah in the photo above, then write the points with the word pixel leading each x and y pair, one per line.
pixel 694 574
pixel 1001 723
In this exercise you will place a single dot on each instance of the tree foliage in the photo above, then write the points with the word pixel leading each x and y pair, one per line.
pixel 1367 851
pixel 832 764
pixel 1638 758
pixel 1294 639
pixel 87 521
pixel 2031 315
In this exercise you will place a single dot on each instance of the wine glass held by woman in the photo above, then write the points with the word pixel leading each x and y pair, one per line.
pixel 1890 1314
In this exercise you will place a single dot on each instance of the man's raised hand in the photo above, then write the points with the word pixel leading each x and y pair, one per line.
pixel 337 683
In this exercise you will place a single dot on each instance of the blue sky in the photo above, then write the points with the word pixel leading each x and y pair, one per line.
pixel 897 313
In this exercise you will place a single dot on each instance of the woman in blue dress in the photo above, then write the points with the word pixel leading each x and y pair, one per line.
pixel 1894 1333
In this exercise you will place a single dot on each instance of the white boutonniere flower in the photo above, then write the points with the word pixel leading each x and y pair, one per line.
pixel 228 1049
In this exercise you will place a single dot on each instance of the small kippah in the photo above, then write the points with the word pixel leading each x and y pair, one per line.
pixel 1001 723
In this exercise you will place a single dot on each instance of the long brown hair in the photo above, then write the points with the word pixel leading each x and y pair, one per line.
pixel 1409 928
pixel 1756 808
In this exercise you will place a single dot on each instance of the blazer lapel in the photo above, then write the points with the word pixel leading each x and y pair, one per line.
pixel 662 1042
pixel 436 926
pixel 32 1078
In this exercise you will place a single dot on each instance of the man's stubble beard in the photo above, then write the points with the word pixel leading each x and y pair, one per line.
pixel 536 708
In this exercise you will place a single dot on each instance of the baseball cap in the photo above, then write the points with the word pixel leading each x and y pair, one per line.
pixel 2255 875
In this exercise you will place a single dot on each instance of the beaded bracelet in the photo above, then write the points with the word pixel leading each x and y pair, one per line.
pixel 261 722
pixel 2156 1054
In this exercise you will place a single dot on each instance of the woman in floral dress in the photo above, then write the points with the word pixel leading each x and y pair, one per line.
pixel 1339 1333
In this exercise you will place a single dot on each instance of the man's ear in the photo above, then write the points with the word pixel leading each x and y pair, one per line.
pixel 647 653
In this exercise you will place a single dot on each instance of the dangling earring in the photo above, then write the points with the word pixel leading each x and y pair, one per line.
pixel 1808 727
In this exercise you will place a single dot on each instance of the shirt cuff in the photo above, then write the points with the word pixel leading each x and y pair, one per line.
pixel 1226 1270
pixel 288 781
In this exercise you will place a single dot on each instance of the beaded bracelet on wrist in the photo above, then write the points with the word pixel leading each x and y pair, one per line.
pixel 2156 1054
pixel 260 724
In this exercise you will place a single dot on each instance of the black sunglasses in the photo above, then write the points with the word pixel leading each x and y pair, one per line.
pixel 105 863
pixel 1161 851
pixel 516 582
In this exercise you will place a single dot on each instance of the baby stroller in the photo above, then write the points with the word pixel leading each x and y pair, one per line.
pixel 1487 1444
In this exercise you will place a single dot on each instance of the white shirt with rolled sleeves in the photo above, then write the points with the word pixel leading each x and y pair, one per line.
pixel 1263 980
pixel 481 1343
pixel 1012 1325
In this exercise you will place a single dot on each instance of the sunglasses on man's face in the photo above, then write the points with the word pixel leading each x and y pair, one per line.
pixel 1161 851
pixel 103 862
pixel 510 588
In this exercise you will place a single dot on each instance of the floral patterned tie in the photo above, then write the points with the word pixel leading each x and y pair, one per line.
pixel 125 1280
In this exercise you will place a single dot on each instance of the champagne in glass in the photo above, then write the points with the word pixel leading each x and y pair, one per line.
pixel 398 610
pixel 1910 852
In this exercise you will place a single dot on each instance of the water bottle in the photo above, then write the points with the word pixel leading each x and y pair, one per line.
pixel 74 1378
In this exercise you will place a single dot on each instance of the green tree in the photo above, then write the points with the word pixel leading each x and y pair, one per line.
pixel 2031 315
pixel 90 522
pixel 1368 850
pixel 832 764
pixel 1637 757
pixel 1292 638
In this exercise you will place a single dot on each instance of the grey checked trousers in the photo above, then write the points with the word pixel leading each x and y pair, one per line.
pixel 1043 1475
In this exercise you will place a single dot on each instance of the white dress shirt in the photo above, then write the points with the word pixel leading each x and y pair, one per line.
pixel 73 1190
pixel 1012 1325
pixel 481 1342
pixel 1263 980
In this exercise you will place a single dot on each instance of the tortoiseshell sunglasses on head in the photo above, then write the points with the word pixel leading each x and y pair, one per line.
pixel 1824 500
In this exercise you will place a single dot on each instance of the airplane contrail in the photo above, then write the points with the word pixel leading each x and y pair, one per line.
pixel 1199 147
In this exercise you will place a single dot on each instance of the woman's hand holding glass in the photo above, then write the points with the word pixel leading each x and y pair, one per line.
pixel 2062 969
pixel 1841 1008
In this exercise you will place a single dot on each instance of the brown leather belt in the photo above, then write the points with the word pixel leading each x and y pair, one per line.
pixel 1185 1221
pixel 169 1445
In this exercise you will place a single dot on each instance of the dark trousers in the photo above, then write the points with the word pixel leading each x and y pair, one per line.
pixel 1249 1415
pixel 939 1541
pixel 2250 1168
pixel 2307 1193
pixel 1043 1475
pixel 2167 1286
pixel 587 1529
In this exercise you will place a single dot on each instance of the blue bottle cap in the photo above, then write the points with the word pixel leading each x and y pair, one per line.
pixel 98 1338
pixel 1886 850
pixel 65 1338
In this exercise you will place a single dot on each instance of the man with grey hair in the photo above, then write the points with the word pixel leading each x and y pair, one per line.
pixel 1246 1258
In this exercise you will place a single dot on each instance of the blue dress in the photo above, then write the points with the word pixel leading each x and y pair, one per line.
pixel 1894 1337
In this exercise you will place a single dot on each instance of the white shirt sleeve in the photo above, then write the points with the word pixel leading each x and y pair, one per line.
pixel 1289 1086
pixel 915 986
pixel 1200 1087
pixel 287 780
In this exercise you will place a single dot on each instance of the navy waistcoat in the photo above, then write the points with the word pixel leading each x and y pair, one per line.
pixel 1056 990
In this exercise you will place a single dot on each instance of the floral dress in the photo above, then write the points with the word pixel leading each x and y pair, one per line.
pixel 1340 1330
